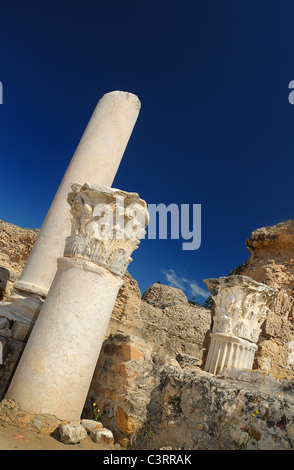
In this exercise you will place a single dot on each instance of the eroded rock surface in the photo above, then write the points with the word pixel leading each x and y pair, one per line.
pixel 239 410
pixel 272 263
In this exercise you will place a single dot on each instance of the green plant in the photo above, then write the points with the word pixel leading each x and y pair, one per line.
pixel 97 412
pixel 208 302
pixel 289 429
pixel 175 399
pixel 193 302
pixel 252 433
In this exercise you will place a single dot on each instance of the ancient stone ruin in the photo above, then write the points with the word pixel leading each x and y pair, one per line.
pixel 150 382
pixel 61 354
pixel 75 329
pixel 241 306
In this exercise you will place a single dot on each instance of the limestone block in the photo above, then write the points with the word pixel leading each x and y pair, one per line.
pixel 72 433
pixel 21 331
pixel 131 351
pixel 23 308
pixel 235 410
pixel 126 313
pixel 171 324
pixel 126 423
pixel 91 424
pixel 11 351
pixel 162 296
pixel 102 436
pixel 291 353
pixel 271 256
pixel 7 278
pixel 4 323
pixel 122 388
pixel 6 332
pixel 15 246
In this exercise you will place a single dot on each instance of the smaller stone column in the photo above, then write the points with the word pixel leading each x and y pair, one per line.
pixel 241 305
pixel 55 371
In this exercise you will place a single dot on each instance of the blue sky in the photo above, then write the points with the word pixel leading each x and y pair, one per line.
pixel 215 128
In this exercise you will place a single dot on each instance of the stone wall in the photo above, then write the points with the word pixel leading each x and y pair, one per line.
pixel 127 372
pixel 240 410
pixel 15 246
pixel 148 381
pixel 162 317
pixel 150 401
pixel 171 324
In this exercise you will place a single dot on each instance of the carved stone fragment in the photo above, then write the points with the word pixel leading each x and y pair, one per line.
pixel 241 305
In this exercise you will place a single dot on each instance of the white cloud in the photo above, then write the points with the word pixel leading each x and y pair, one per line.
pixel 174 280
pixel 197 290
pixel 181 282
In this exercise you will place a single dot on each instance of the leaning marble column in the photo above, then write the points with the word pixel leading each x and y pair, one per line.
pixel 241 305
pixel 56 368
pixel 96 161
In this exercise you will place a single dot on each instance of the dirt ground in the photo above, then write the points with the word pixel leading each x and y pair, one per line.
pixel 17 438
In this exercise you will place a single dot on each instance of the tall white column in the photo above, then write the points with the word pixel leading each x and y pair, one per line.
pixel 56 368
pixel 96 161
pixel 241 305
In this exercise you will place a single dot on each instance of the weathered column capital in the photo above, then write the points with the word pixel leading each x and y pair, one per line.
pixel 241 305
pixel 107 225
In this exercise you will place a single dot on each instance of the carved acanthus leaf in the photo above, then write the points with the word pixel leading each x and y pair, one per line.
pixel 107 225
pixel 241 305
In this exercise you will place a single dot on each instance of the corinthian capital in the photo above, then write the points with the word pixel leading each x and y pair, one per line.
pixel 241 305
pixel 107 225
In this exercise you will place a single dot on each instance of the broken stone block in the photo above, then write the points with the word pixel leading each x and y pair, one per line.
pixel 6 332
pixel 131 351
pixel 91 424
pixel 7 278
pixel 4 323
pixel 21 331
pixel 126 423
pixel 72 433
pixel 104 436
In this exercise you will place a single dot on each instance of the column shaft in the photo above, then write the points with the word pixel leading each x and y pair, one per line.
pixel 57 365
pixel 95 161
pixel 56 368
